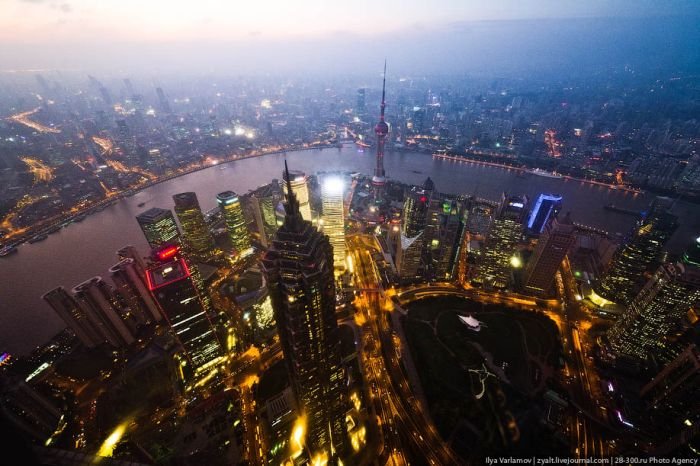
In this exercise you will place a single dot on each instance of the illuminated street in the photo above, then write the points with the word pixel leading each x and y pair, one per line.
pixel 402 414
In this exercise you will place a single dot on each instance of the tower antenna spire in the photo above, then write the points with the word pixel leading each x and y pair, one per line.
pixel 381 130
pixel 383 105
pixel 292 207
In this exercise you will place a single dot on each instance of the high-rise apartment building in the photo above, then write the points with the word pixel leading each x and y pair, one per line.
pixel 74 316
pixel 130 281
pixel 298 268
pixel 159 227
pixel 106 309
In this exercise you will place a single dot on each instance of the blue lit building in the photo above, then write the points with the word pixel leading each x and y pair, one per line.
pixel 546 207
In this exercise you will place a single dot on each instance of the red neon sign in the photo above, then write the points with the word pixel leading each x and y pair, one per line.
pixel 167 253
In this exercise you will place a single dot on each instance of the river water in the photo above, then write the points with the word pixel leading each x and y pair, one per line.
pixel 83 250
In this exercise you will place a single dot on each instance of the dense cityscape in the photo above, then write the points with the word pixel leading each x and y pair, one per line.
pixel 382 268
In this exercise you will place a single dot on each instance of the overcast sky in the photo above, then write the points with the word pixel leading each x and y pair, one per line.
pixel 84 33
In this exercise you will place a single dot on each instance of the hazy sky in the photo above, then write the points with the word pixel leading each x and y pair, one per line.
pixel 37 21
pixel 51 33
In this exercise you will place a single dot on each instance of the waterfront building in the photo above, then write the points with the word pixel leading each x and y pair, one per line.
pixel 546 207
pixel 298 267
pixel 232 211
pixel 105 309
pixel 158 226
pixel 198 240
pixel 553 245
pixel 74 316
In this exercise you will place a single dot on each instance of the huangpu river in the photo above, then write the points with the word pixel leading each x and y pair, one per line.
pixel 85 249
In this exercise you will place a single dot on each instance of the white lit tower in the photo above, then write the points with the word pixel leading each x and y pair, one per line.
pixel 381 130
pixel 299 183
pixel 333 217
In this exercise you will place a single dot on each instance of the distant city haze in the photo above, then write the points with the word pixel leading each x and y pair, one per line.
pixel 452 36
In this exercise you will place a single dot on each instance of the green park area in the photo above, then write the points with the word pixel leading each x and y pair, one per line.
pixel 484 374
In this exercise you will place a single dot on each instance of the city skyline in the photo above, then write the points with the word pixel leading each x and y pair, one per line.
pixel 314 234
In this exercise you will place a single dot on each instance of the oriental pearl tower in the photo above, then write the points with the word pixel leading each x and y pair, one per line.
pixel 381 130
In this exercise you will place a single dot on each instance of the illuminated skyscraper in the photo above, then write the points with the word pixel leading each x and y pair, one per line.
pixel 74 316
pixel 172 285
pixel 409 250
pixel 333 216
pixel 130 281
pixel 657 309
pixel 408 256
pixel 381 130
pixel 552 247
pixel 198 240
pixel 159 227
pixel 446 244
pixel 104 308
pixel 231 209
pixel 415 212
pixel 298 268
pixel 620 281
pixel 263 202
pixel 546 207
pixel 494 268
pixel 300 187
